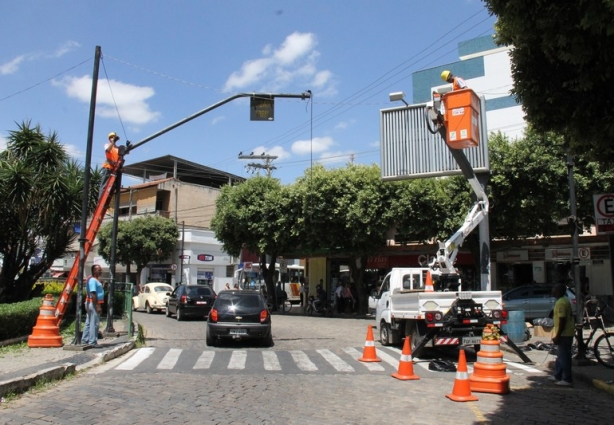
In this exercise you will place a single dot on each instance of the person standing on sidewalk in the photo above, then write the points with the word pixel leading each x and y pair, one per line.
pixel 563 337
pixel 93 307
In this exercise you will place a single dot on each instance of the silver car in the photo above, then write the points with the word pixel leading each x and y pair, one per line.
pixel 535 300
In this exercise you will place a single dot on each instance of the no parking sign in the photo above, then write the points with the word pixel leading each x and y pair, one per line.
pixel 604 213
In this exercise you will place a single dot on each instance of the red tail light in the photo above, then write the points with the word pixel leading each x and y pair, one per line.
pixel 183 299
pixel 430 317
pixel 213 315
pixel 264 315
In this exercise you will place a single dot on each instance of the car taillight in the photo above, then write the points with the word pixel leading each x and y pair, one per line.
pixel 264 315
pixel 183 299
pixel 213 315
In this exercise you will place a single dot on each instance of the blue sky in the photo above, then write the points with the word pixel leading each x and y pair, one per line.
pixel 166 60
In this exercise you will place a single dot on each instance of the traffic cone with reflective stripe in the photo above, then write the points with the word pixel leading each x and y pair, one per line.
pixel 461 390
pixel 46 332
pixel 368 354
pixel 489 372
pixel 428 286
pixel 406 364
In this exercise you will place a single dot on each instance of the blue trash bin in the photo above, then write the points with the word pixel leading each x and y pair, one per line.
pixel 515 327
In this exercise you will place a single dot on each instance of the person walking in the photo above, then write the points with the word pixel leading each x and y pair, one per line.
pixel 457 82
pixel 563 337
pixel 339 297
pixel 93 307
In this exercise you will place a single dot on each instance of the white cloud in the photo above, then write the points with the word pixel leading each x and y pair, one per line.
pixel 217 119
pixel 129 99
pixel 74 152
pixel 3 143
pixel 277 151
pixel 12 66
pixel 317 145
pixel 294 62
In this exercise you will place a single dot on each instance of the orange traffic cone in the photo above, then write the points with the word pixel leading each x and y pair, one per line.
pixel 406 364
pixel 368 354
pixel 46 333
pixel 461 390
pixel 489 374
pixel 428 286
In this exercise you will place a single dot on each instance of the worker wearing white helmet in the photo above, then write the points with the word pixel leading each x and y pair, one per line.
pixel 112 159
pixel 457 82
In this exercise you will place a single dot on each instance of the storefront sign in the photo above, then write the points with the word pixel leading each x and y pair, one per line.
pixel 604 213
pixel 513 255
pixel 204 257
pixel 558 254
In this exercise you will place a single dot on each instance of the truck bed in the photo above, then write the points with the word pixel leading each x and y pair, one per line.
pixel 413 305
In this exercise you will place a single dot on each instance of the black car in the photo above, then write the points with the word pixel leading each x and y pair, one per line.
pixel 239 315
pixel 190 300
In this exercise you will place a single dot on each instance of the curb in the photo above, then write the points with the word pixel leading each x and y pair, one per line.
pixel 23 383
pixel 105 356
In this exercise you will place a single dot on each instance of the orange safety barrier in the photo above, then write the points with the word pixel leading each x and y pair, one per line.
pixel 489 373
pixel 406 364
pixel 368 353
pixel 462 118
pixel 46 332
pixel 461 390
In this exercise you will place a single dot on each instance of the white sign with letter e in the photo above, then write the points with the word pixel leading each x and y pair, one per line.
pixel 604 213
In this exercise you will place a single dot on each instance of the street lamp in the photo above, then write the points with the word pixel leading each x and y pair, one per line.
pixel 396 96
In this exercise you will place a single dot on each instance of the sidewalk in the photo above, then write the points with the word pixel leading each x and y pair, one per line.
pixel 22 370
pixel 589 371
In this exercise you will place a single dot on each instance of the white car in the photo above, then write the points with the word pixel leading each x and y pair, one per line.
pixel 152 296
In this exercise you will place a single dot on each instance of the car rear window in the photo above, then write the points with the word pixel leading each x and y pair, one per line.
pixel 192 292
pixel 163 289
pixel 247 301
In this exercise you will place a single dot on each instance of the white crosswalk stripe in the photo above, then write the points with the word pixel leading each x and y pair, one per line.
pixel 237 360
pixel 271 362
pixel 302 361
pixel 170 359
pixel 205 359
pixel 137 359
pixel 336 361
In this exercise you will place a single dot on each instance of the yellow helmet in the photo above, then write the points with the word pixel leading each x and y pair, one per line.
pixel 113 135
pixel 445 75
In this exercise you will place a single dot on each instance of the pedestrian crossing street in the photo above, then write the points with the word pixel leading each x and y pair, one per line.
pixel 325 361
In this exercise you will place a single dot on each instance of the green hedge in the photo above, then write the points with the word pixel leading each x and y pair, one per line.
pixel 18 319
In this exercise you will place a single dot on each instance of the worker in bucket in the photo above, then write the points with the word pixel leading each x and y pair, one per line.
pixel 112 158
pixel 457 82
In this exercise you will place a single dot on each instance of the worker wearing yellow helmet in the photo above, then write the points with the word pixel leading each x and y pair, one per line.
pixel 112 159
pixel 457 82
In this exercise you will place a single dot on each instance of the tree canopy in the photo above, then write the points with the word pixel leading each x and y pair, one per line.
pixel 40 200
pixel 563 67
pixel 140 241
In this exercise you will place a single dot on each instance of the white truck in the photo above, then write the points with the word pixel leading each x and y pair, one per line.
pixel 444 317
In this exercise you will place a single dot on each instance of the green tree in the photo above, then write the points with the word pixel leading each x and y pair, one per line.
pixel 529 186
pixel 345 211
pixel 40 200
pixel 563 67
pixel 140 241
pixel 253 215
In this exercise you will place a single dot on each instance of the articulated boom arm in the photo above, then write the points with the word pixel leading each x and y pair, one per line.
pixel 443 263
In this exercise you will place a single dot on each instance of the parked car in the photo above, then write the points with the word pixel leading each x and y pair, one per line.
pixel 239 315
pixel 152 297
pixel 190 300
pixel 535 300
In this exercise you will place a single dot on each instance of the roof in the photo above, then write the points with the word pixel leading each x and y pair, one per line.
pixel 187 171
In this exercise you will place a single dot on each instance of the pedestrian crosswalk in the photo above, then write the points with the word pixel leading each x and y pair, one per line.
pixel 343 360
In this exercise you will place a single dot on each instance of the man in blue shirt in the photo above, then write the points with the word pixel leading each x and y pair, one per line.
pixel 93 307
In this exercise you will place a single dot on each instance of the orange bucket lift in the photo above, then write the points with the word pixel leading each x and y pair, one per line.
pixel 462 118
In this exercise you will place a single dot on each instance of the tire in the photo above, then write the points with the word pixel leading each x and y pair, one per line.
pixel 210 340
pixel 268 341
pixel 168 311
pixel 384 334
pixel 148 308
pixel 179 315
pixel 330 311
pixel 604 350
pixel 310 310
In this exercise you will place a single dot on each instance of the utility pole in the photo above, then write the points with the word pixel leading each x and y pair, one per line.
pixel 268 159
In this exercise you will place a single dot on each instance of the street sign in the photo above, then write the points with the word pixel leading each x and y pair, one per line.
pixel 283 266
pixel 204 257
pixel 174 267
pixel 262 108
pixel 247 266
pixel 604 213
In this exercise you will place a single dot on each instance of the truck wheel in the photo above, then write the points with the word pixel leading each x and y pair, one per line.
pixel 384 334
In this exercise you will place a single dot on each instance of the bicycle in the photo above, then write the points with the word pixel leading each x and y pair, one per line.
pixel 604 344
pixel 283 306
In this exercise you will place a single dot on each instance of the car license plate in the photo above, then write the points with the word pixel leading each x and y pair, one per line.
pixel 201 302
pixel 238 332
pixel 471 340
